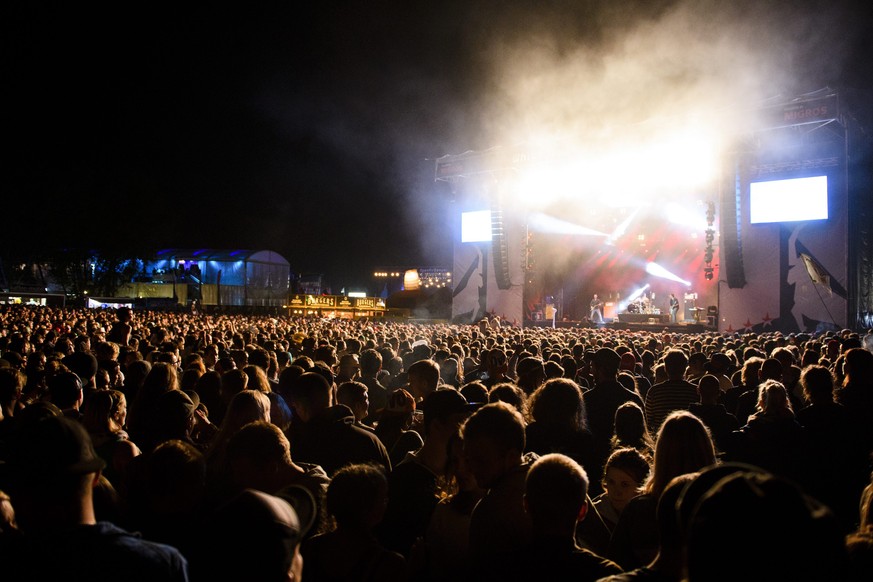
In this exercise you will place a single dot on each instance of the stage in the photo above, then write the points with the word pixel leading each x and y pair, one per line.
pixel 683 327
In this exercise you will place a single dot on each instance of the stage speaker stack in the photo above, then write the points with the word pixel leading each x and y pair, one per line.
pixel 500 248
pixel 731 226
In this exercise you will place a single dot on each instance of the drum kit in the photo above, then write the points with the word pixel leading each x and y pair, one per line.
pixel 643 305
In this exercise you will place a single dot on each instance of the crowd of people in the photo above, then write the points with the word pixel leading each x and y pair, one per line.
pixel 146 445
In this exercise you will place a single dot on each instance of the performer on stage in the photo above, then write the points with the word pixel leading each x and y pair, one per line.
pixel 674 308
pixel 596 310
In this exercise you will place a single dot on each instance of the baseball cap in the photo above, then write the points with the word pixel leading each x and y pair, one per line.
pixel 442 404
pixel 50 448
pixel 256 534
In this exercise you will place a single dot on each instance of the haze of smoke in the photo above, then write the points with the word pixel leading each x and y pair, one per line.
pixel 703 61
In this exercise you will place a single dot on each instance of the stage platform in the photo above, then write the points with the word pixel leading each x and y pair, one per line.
pixel 650 318
pixel 668 327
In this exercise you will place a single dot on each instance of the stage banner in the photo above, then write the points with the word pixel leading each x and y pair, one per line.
pixel 476 292
pixel 800 112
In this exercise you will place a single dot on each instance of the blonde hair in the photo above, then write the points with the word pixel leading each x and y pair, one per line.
pixel 773 400
pixel 684 445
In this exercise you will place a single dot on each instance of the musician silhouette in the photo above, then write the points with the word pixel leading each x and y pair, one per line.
pixel 596 315
pixel 674 308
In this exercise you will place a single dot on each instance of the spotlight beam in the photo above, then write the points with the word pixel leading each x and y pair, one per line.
pixel 549 224
pixel 657 270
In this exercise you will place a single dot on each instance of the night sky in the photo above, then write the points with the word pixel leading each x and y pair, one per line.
pixel 311 129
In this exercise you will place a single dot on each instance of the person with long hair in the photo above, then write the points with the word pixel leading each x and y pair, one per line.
pixel 162 377
pixel 558 422
pixel 104 417
pixel 632 431
pixel 856 392
pixel 772 438
pixel 684 445
pixel 245 407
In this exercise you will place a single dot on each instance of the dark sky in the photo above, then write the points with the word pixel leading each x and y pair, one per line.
pixel 311 129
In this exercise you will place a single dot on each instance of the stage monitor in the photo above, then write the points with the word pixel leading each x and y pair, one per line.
pixel 788 200
pixel 476 226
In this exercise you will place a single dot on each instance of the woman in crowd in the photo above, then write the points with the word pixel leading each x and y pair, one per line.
pixel 104 417
pixel 684 445
pixel 772 438
pixel 559 423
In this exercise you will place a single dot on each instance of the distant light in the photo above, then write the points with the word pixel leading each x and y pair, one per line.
pixel 411 280
pixel 357 294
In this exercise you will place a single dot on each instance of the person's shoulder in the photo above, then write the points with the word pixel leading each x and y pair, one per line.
pixel 644 574
pixel 135 554
pixel 388 565
pixel 656 387
pixel 633 396
pixel 365 427
pixel 643 502
pixel 314 472
pixel 410 469
pixel 595 564
pixel 373 384
pixel 410 437
pixel 364 433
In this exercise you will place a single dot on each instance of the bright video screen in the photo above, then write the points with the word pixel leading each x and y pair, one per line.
pixel 476 226
pixel 789 200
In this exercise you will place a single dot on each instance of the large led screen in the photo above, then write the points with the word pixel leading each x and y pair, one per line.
pixel 788 200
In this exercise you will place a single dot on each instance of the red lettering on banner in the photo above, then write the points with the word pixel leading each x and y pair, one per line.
pixel 820 111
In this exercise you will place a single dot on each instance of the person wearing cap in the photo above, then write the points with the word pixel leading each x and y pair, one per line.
pixel 413 482
pixel 51 470
pixel 800 536
pixel 602 401
pixel 255 536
